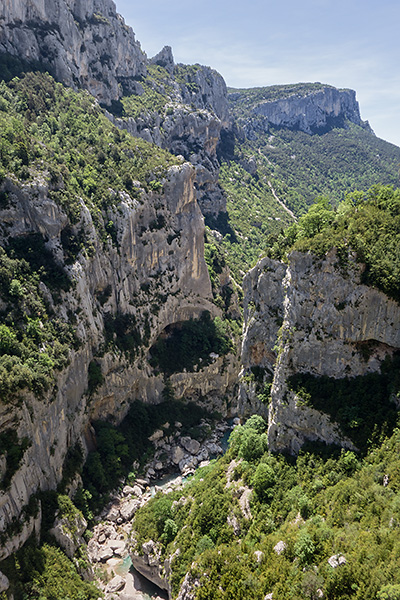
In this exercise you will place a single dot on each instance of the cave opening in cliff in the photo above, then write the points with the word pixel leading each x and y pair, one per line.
pixel 190 345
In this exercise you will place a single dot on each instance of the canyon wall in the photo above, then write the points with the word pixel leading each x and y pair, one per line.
pixel 309 316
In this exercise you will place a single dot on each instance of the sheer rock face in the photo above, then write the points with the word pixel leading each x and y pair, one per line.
pixel 157 275
pixel 149 564
pixel 87 44
pixel 325 317
pixel 316 112
pixel 193 134
pixel 83 42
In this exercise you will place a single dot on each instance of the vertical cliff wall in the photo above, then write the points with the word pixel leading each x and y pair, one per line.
pixel 154 273
pixel 85 44
pixel 310 317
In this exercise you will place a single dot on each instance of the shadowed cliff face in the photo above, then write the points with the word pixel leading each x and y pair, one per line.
pixel 308 317
pixel 85 44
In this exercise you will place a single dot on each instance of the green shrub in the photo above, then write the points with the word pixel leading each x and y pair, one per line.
pixel 189 344
pixel 95 376
pixel 46 573
pixel 304 548
pixel 263 480
pixel 389 592
pixel 204 543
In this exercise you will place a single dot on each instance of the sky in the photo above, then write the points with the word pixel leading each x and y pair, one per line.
pixel 346 43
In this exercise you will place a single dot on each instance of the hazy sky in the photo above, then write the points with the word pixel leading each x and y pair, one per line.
pixel 346 43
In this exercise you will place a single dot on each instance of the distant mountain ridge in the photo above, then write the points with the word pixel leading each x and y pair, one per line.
pixel 312 108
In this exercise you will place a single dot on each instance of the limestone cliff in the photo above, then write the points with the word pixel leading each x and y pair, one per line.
pixel 312 108
pixel 194 113
pixel 150 272
pixel 83 43
pixel 310 317
pixel 155 273
pixel 88 44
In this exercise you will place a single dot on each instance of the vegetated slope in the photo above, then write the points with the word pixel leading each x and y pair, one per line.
pixel 338 153
pixel 330 164
pixel 367 223
pixel 254 523
pixel 61 138
pixel 253 214
pixel 312 142
pixel 59 143
pixel 102 249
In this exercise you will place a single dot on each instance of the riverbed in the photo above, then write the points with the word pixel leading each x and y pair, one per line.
pixel 108 549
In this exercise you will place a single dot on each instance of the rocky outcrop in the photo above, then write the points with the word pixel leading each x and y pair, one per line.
pixel 68 530
pixel 83 43
pixel 88 44
pixel 188 587
pixel 196 111
pixel 311 317
pixel 150 566
pixel 4 583
pixel 175 451
pixel 164 59
pixel 159 266
pixel 193 134
pixel 309 110
pixel 314 112
pixel 28 525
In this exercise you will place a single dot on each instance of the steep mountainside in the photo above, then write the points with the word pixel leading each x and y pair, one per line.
pixel 310 319
pixel 102 251
pixel 85 44
pixel 304 504
pixel 310 138
pixel 112 288
pixel 317 339
pixel 293 144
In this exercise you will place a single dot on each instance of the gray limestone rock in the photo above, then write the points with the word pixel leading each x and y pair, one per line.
pixel 178 270
pixel 113 514
pixel 105 555
pixel 280 547
pixel 177 454
pixel 82 43
pixel 68 532
pixel 4 582
pixel 115 585
pixel 157 435
pixel 128 509
pixel 188 587
pixel 313 112
pixel 307 317
pixel 190 445
pixel 337 560
pixel 165 59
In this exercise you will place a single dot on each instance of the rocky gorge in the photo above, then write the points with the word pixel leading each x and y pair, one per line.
pixel 131 271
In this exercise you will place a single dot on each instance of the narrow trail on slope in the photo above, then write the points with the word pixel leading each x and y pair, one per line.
pixel 280 201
